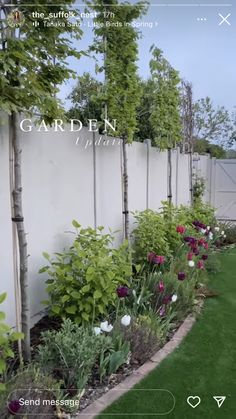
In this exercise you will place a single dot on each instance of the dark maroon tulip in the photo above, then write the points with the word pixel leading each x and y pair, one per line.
pixel 199 225
pixel 13 406
pixel 181 276
pixel 167 299
pixel 190 240
pixel 196 251
pixel 122 291
pixel 200 264
pixel 204 257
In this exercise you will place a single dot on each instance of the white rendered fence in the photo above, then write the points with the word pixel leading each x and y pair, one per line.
pixel 65 177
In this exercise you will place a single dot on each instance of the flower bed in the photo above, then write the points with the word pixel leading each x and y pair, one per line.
pixel 116 307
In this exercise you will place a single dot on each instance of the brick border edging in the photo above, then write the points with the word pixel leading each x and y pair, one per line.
pixel 129 382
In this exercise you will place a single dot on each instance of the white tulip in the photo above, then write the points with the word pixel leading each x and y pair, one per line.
pixel 210 236
pixel 174 298
pixel 105 327
pixel 208 228
pixel 202 230
pixel 224 236
pixel 97 330
pixel 217 228
pixel 126 320
pixel 191 263
pixel 222 232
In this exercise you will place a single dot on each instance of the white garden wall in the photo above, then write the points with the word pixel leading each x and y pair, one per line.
pixel 58 180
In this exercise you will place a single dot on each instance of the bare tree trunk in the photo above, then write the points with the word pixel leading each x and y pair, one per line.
pixel 191 177
pixel 169 176
pixel 125 190
pixel 21 234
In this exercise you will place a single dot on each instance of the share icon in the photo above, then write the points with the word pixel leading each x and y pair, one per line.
pixel 219 400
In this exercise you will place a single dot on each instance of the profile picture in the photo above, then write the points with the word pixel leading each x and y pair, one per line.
pixel 15 19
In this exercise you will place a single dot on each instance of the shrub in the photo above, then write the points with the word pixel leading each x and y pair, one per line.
pixel 203 212
pixel 142 338
pixel 149 236
pixel 7 336
pixel 70 353
pixel 83 280
pixel 172 218
pixel 156 232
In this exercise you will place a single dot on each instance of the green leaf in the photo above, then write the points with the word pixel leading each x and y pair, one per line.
pixel 43 269
pixel 9 352
pixel 2 387
pixel 46 256
pixel 85 289
pixel 17 335
pixel 85 316
pixel 2 366
pixel 3 297
pixel 76 224
pixel 2 315
pixel 56 309
pixel 97 294
pixel 101 309
pixel 4 328
pixel 71 309
pixel 65 298
pixel 76 295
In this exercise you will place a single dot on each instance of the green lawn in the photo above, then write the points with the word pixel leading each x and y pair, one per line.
pixel 204 365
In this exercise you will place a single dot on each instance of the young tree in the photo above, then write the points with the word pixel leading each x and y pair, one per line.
pixel 86 99
pixel 187 115
pixel 144 126
pixel 213 124
pixel 117 42
pixel 187 119
pixel 165 110
pixel 32 65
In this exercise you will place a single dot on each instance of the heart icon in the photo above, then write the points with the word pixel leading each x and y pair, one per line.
pixel 193 401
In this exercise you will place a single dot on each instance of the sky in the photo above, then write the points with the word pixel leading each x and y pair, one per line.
pixel 194 39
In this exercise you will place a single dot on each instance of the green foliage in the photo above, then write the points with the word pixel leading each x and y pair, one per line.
pixel 144 126
pixel 213 124
pixel 142 338
pixel 83 279
pixel 113 357
pixel 70 353
pixel 156 231
pixel 33 60
pixel 204 212
pixel 184 215
pixel 149 236
pixel 86 99
pixel 165 111
pixel 202 146
pixel 7 336
pixel 31 384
